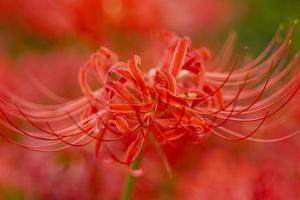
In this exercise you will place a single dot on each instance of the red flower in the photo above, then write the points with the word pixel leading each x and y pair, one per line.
pixel 186 97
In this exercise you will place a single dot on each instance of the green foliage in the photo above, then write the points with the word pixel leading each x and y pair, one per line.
pixel 261 18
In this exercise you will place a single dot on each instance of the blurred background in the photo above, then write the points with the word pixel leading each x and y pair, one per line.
pixel 43 43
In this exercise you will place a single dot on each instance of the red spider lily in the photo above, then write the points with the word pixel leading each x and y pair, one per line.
pixel 186 97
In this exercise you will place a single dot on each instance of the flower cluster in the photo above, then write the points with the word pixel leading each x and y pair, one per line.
pixel 187 96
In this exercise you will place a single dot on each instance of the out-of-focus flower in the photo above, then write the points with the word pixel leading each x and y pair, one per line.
pixel 186 97
pixel 49 18
pixel 221 173
pixel 62 172
pixel 200 16
pixel 134 15
pixel 222 176
pixel 53 74
pixel 94 19
pixel 87 19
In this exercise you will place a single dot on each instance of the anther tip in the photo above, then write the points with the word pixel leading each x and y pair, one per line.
pixel 281 27
pixel 296 21
pixel 137 59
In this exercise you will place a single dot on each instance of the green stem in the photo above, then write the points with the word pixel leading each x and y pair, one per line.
pixel 130 180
